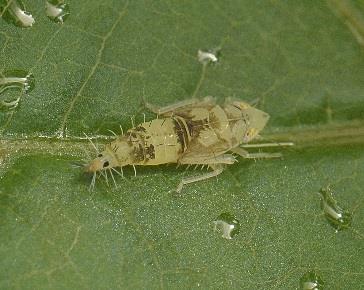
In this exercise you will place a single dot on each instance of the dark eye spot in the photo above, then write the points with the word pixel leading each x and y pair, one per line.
pixel 106 164
pixel 100 155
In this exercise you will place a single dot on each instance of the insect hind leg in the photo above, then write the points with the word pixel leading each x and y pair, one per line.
pixel 245 154
pixel 217 169
pixel 216 163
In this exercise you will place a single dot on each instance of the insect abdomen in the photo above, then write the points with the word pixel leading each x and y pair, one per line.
pixel 156 142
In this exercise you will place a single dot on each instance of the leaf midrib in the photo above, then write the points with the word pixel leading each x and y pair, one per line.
pixel 348 133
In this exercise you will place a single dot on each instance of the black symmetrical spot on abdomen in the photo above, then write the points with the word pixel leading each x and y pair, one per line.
pixel 139 153
pixel 149 152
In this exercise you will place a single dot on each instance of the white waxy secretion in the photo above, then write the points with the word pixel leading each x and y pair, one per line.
pixel 227 224
pixel 57 13
pixel 25 18
pixel 205 57
pixel 18 79
pixel 52 10
pixel 225 228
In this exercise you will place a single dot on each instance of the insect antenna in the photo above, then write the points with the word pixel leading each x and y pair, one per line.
pixel 92 143
pixel 78 164
pixel 121 129
pixel 134 170
pixel 92 184
pixel 87 153
pixel 132 121
pixel 144 117
pixel 113 179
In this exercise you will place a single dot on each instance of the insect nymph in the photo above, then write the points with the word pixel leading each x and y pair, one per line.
pixel 191 132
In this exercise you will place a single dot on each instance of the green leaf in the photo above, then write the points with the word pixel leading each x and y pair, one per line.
pixel 303 60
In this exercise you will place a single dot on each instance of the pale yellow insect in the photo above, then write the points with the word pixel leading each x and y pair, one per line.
pixel 192 132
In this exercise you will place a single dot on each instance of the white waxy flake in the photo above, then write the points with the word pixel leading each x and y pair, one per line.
pixel 57 13
pixel 205 57
pixel 310 286
pixel 225 228
pixel 13 81
pixel 25 18
pixel 52 10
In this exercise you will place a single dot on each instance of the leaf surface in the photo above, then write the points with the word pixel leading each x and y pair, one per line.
pixel 302 59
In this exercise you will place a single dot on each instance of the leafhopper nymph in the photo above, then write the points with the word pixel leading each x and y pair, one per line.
pixel 191 132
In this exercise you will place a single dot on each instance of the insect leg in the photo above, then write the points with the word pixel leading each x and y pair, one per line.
pixel 169 109
pixel 216 163
pixel 220 159
pixel 261 145
pixel 254 102
pixel 134 170
pixel 117 172
pixel 92 184
pixel 245 154
pixel 104 173
pixel 113 179
pixel 217 169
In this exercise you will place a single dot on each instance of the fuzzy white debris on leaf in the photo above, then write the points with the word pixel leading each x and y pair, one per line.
pixel 206 57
